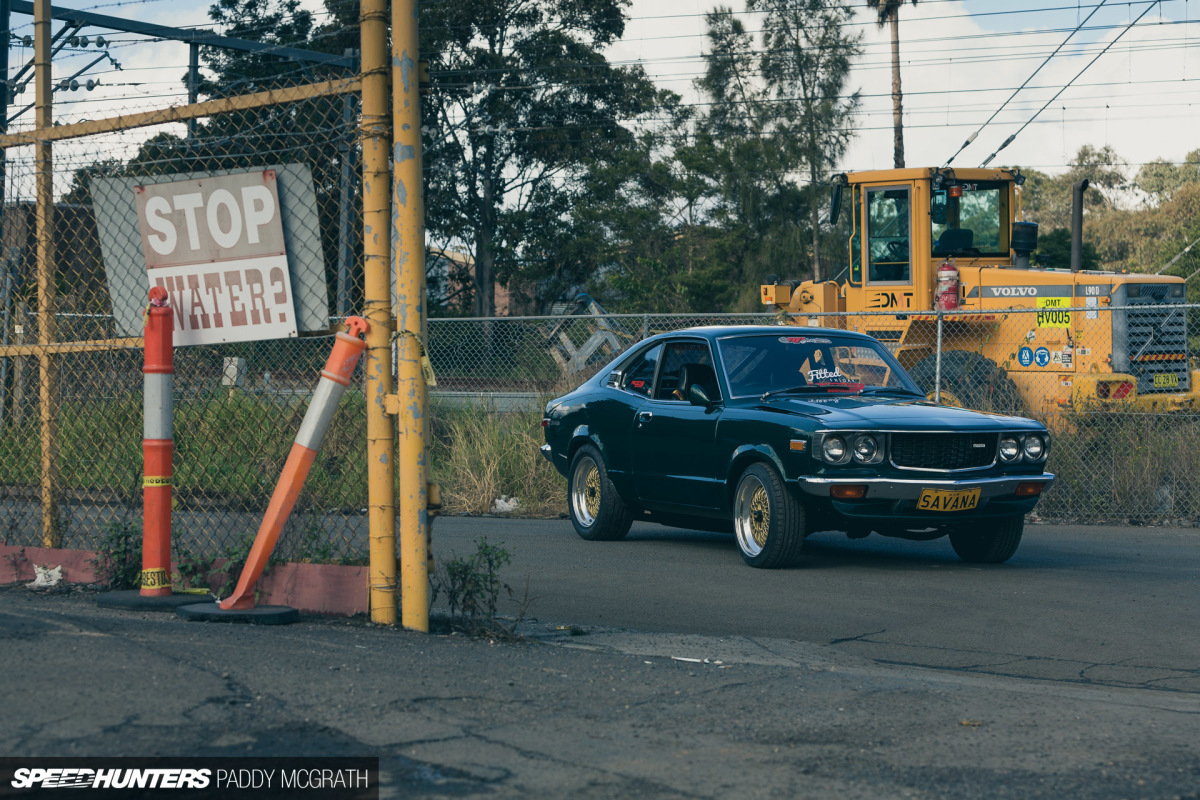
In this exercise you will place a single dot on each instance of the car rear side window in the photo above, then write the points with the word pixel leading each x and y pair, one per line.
pixel 639 376
pixel 684 364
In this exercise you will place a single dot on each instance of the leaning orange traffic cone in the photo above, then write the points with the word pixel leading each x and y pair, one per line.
pixel 334 379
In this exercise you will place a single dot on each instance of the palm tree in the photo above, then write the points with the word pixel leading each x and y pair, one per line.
pixel 889 13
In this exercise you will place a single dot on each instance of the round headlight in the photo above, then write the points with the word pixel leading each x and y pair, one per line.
pixel 865 449
pixel 1010 448
pixel 1035 448
pixel 834 448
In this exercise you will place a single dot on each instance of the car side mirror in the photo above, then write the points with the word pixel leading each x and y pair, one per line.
pixel 698 397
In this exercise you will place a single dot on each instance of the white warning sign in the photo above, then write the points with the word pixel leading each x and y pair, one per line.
pixel 216 246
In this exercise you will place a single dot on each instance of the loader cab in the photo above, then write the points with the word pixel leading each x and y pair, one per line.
pixel 901 225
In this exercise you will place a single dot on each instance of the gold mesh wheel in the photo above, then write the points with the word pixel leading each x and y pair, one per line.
pixel 585 491
pixel 591 492
pixel 760 516
pixel 752 515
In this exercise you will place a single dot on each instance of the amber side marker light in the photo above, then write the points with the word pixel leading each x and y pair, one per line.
pixel 851 492
pixel 1029 489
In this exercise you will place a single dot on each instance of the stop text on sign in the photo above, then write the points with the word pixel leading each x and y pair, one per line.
pixel 216 245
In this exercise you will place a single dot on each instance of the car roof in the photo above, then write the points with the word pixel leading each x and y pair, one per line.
pixel 719 331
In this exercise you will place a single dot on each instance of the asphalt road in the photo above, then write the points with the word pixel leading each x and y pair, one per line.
pixel 1102 605
pixel 663 667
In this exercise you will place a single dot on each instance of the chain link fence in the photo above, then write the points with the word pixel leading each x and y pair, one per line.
pixel 73 277
pixel 71 307
pixel 1123 449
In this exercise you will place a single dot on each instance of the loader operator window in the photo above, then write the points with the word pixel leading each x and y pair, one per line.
pixel 887 236
pixel 970 219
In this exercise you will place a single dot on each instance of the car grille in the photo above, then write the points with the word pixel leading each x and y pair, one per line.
pixel 943 451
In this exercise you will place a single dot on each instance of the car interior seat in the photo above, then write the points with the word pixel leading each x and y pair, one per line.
pixel 698 374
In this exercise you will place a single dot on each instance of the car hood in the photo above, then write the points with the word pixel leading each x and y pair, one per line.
pixel 890 412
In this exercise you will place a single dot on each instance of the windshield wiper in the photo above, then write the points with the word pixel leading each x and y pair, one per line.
pixel 817 388
pixel 807 388
pixel 891 390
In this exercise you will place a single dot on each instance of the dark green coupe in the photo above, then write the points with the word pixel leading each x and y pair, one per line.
pixel 775 432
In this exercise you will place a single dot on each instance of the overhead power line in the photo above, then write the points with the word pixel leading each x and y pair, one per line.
pixel 1128 27
pixel 979 130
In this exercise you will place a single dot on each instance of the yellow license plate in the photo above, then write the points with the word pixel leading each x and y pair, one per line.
pixel 1166 381
pixel 948 499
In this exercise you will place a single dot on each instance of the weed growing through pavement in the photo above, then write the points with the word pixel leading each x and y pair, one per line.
pixel 118 559
pixel 473 587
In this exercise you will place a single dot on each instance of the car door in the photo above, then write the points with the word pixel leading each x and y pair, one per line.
pixel 611 417
pixel 674 458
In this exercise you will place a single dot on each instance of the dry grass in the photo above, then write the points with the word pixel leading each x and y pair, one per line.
pixel 480 454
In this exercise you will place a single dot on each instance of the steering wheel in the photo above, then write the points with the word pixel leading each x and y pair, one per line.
pixel 898 251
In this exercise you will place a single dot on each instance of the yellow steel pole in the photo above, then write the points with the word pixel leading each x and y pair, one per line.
pixel 48 385
pixel 381 432
pixel 409 209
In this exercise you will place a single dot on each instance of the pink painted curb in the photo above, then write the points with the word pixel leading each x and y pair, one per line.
pixel 330 589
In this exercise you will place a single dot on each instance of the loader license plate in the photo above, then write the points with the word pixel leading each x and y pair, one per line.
pixel 948 499
pixel 1166 380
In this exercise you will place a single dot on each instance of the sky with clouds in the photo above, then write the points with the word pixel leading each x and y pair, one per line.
pixel 961 59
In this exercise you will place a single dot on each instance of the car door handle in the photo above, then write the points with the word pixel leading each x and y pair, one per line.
pixel 645 416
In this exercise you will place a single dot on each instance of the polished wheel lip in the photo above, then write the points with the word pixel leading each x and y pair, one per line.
pixel 585 491
pixel 749 522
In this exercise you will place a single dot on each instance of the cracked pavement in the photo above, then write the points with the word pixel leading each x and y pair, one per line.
pixel 713 695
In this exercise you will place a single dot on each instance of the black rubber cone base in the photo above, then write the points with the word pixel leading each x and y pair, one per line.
pixel 132 600
pixel 259 615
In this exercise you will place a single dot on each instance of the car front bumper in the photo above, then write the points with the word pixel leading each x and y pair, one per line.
pixel 895 499
pixel 911 488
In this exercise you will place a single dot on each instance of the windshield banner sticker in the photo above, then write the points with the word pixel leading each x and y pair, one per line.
pixel 804 340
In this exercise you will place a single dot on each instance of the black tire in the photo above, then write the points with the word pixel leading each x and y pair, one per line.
pixel 597 511
pixel 970 380
pixel 988 542
pixel 768 521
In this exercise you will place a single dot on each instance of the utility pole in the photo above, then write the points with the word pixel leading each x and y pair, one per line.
pixel 48 383
pixel 377 308
pixel 409 215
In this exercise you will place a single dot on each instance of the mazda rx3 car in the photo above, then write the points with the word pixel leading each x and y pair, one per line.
pixel 775 432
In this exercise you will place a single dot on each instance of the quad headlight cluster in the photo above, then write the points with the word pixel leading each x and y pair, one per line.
pixel 1029 446
pixel 861 448
pixel 868 448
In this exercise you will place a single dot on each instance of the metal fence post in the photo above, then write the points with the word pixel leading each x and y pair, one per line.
pixel 409 209
pixel 937 371
pixel 48 385
pixel 377 308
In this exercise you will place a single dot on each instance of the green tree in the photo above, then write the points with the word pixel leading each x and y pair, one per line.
pixel 806 63
pixel 1160 179
pixel 1054 251
pixel 525 107
pixel 888 12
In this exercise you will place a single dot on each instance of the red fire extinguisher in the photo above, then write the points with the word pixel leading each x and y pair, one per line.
pixel 947 286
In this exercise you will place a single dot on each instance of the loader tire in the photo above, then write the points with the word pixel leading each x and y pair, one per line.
pixel 970 380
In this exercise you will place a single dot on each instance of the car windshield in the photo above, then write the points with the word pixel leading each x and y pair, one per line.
pixel 806 364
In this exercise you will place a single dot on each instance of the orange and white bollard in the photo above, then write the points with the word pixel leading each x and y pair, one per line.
pixel 334 380
pixel 157 446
